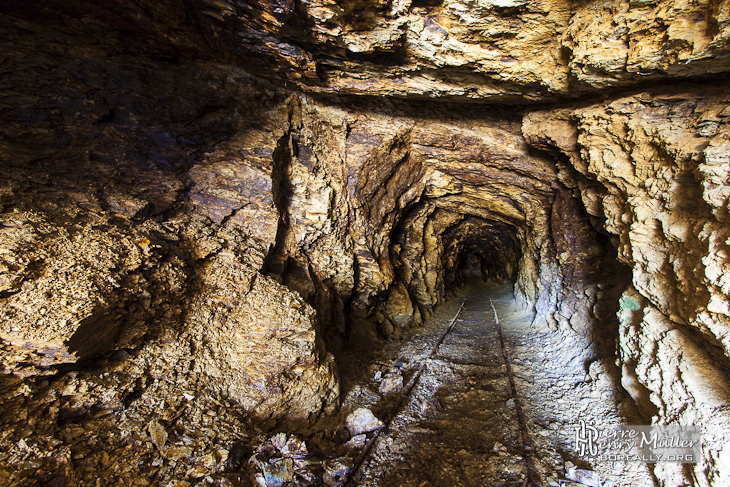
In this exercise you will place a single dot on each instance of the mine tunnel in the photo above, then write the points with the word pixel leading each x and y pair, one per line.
pixel 413 243
pixel 489 255
pixel 471 265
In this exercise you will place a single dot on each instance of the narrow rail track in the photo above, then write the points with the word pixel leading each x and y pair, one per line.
pixel 532 477
pixel 472 350
pixel 406 396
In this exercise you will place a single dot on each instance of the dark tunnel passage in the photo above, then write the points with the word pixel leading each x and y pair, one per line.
pixel 490 253
pixel 472 265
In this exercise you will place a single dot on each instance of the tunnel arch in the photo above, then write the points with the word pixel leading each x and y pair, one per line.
pixel 423 202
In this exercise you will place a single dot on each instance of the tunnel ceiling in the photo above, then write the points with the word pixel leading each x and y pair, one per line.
pixel 513 51
pixel 489 50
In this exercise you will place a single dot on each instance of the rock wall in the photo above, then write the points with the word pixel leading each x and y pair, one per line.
pixel 103 252
pixel 652 166
pixel 173 222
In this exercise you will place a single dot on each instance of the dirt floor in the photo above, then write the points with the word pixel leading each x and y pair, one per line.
pixel 479 409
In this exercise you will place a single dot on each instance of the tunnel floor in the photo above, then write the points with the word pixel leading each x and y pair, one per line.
pixel 460 420
pixel 450 404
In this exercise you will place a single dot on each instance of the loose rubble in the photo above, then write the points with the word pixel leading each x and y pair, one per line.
pixel 362 420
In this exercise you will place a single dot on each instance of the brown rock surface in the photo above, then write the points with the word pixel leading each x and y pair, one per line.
pixel 496 50
pixel 120 233
pixel 652 169
pixel 197 213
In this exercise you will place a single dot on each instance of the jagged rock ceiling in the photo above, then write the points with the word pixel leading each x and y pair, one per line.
pixel 499 51
pixel 481 50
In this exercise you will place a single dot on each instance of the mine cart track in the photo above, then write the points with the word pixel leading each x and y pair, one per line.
pixel 404 400
pixel 532 477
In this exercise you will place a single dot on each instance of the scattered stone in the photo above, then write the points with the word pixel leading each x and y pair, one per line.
pixel 305 478
pixel 279 472
pixel 209 460
pixel 391 384
pixel 158 434
pixel 357 442
pixel 511 404
pixel 499 449
pixel 368 396
pixel 336 469
pixel 585 477
pixel 708 128
pixel 279 440
pixel 265 453
pixel 362 420
pixel 430 408
pixel 260 480
pixel 176 452
pixel 267 450
pixel 294 448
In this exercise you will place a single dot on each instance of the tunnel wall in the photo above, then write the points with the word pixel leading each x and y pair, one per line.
pixel 651 167
pixel 103 250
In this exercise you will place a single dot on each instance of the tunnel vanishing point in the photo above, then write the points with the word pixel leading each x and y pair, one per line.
pixel 218 199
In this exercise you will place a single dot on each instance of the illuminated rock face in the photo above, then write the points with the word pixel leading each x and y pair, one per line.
pixel 230 230
pixel 652 166
pixel 480 50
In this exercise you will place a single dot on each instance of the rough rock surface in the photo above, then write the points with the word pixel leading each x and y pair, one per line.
pixel 361 421
pixel 653 167
pixel 496 49
pixel 184 247
pixel 117 235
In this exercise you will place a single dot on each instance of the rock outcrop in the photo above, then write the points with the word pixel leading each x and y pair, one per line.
pixel 652 168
